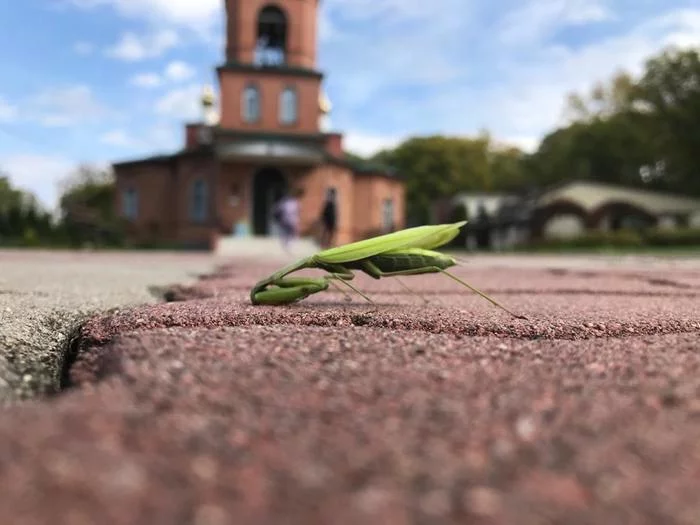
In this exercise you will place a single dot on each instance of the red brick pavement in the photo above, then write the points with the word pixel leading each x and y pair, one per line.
pixel 210 411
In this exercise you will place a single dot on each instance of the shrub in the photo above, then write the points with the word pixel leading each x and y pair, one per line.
pixel 30 237
pixel 594 239
pixel 675 237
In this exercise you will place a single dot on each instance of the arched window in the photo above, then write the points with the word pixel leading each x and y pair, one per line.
pixel 199 201
pixel 251 103
pixel 388 215
pixel 288 106
pixel 272 36
pixel 130 203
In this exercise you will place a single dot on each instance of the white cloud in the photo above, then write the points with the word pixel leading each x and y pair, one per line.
pixel 391 11
pixel 531 99
pixel 175 71
pixel 199 15
pixel 536 20
pixel 66 106
pixel 366 144
pixel 157 137
pixel 178 71
pixel 83 48
pixel 8 112
pixel 374 47
pixel 118 138
pixel 181 103
pixel 39 174
pixel 146 80
pixel 526 144
pixel 132 47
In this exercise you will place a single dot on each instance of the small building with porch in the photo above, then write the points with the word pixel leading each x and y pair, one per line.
pixel 565 210
pixel 268 137
pixel 571 208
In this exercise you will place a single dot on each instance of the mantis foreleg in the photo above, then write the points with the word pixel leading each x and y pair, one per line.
pixel 289 290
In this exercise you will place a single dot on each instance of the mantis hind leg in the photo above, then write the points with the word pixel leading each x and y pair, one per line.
pixel 369 267
pixel 482 294
pixel 373 271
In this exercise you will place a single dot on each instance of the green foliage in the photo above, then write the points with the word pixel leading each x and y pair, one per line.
pixel 594 239
pixel 30 237
pixel 87 209
pixel 22 221
pixel 669 93
pixel 87 214
pixel 654 237
pixel 436 166
pixel 675 237
pixel 610 150
pixel 354 157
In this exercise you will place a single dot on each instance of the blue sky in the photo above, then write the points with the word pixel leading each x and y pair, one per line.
pixel 94 81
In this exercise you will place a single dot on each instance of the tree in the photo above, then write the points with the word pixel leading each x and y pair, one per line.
pixel 9 196
pixel 353 157
pixel 604 100
pixel 639 132
pixel 21 215
pixel 668 98
pixel 438 167
pixel 607 150
pixel 87 206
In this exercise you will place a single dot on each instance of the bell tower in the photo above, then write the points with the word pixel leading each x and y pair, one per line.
pixel 269 82
pixel 277 32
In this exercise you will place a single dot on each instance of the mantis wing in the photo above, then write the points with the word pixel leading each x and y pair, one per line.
pixel 425 237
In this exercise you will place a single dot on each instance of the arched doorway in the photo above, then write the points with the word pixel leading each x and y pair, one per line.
pixel 619 215
pixel 269 185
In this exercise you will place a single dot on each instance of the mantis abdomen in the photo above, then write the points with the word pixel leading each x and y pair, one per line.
pixel 405 260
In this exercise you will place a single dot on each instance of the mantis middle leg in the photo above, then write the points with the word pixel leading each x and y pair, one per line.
pixel 342 274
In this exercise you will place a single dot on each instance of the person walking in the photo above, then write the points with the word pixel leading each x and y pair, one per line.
pixel 329 219
pixel 287 216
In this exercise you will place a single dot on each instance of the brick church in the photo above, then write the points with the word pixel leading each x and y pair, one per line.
pixel 268 137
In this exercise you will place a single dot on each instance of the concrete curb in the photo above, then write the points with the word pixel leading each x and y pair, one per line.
pixel 46 296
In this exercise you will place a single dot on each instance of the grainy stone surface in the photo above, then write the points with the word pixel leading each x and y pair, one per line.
pixel 44 296
pixel 210 411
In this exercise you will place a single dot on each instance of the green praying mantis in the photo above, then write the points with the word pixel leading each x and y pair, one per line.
pixel 402 253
